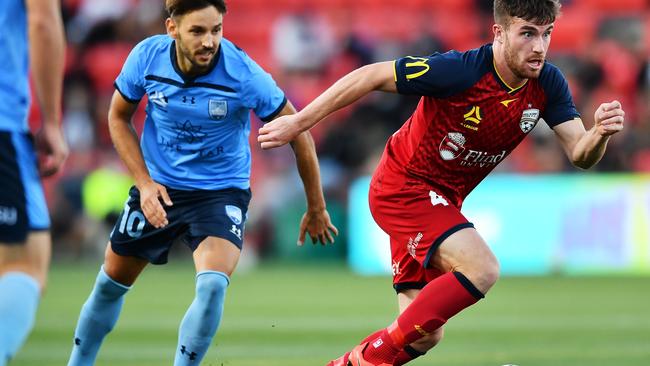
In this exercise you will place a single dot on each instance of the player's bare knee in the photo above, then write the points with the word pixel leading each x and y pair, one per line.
pixel 483 275
pixel 490 273
pixel 486 275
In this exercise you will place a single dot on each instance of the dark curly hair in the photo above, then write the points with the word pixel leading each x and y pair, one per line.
pixel 537 11
pixel 182 7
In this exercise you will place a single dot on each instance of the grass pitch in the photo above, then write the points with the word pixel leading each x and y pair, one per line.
pixel 291 316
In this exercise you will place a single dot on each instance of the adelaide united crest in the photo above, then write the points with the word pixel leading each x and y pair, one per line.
pixel 529 119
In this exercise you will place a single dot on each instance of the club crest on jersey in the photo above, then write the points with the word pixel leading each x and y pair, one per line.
pixel 217 109
pixel 234 213
pixel 452 146
pixel 529 119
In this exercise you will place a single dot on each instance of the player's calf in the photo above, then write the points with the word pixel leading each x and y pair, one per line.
pixel 202 318
pixel 19 297
pixel 97 318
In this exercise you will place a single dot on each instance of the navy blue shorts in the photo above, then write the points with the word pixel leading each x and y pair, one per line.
pixel 22 202
pixel 193 216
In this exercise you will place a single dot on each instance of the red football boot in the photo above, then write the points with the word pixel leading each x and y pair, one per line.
pixel 356 357
pixel 341 361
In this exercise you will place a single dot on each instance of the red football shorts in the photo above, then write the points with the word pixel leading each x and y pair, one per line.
pixel 417 220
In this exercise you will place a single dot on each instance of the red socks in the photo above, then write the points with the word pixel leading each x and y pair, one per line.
pixel 406 355
pixel 438 301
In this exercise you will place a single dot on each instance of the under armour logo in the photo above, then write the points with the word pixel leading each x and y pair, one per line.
pixel 190 100
pixel 191 355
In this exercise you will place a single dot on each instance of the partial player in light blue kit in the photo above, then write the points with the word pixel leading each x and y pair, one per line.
pixel 31 40
pixel 191 170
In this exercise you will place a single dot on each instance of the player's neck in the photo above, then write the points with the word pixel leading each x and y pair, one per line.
pixel 507 76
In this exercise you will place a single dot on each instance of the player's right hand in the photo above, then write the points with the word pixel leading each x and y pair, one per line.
pixel 280 131
pixel 51 148
pixel 151 193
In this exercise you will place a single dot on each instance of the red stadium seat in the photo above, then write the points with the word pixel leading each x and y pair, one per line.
pixel 575 30
pixel 104 62
pixel 612 6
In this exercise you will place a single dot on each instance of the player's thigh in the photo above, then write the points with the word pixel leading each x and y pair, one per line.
pixel 31 257
pixel 216 254
pixel 465 251
pixel 123 269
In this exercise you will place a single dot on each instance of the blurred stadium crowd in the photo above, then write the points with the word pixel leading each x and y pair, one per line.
pixel 602 46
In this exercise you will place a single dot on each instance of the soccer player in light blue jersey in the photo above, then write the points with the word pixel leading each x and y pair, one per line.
pixel 191 171
pixel 31 38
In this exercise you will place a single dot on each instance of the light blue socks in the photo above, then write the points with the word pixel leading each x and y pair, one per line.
pixel 19 296
pixel 98 316
pixel 202 318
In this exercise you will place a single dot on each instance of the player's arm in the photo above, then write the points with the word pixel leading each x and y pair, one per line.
pixel 47 55
pixel 316 221
pixel 126 143
pixel 347 90
pixel 586 148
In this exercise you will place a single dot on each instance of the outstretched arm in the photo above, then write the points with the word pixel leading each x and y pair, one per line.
pixel 47 53
pixel 126 143
pixel 586 148
pixel 316 221
pixel 378 76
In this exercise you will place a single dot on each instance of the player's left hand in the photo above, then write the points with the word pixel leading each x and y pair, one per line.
pixel 319 227
pixel 609 118
pixel 278 132
pixel 51 148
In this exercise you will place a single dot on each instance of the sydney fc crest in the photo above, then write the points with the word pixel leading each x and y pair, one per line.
pixel 218 109
pixel 234 213
pixel 529 119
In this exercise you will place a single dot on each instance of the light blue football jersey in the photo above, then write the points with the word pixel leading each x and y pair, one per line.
pixel 14 66
pixel 196 131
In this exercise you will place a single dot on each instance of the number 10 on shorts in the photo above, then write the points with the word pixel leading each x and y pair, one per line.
pixel 128 222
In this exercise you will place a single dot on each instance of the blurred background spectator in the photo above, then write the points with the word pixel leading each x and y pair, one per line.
pixel 602 46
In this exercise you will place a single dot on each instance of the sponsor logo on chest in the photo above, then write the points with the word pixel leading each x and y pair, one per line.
pixel 453 147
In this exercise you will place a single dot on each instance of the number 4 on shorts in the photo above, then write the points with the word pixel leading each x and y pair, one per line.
pixel 437 199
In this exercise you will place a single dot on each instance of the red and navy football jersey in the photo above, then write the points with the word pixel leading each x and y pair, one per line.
pixel 468 119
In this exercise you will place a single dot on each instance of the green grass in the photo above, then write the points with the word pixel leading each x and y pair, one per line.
pixel 290 316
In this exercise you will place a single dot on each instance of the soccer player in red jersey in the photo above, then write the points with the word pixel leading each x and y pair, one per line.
pixel 476 107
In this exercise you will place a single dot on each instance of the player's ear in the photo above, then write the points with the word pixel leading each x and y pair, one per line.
pixel 498 31
pixel 172 28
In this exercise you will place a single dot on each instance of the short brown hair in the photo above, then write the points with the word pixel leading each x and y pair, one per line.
pixel 536 11
pixel 182 7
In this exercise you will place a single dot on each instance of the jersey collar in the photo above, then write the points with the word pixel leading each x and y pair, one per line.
pixel 186 78
pixel 500 80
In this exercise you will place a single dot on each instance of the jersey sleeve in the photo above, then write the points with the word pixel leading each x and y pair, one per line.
pixel 130 81
pixel 262 94
pixel 439 75
pixel 559 106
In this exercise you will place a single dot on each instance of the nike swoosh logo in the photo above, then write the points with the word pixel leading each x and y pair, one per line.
pixel 507 102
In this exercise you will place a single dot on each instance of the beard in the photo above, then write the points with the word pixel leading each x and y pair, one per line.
pixel 519 68
pixel 192 58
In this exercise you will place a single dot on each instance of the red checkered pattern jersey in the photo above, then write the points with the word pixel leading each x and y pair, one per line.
pixel 467 121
